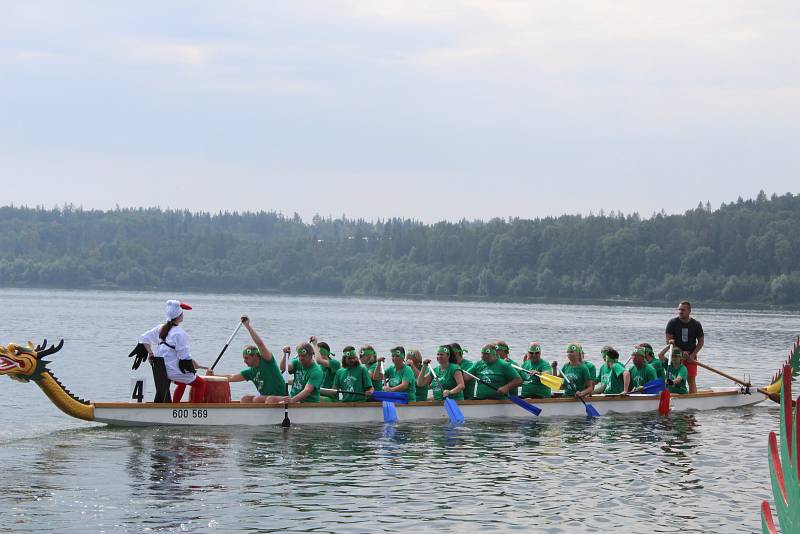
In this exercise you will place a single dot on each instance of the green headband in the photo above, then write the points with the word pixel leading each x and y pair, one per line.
pixel 251 351
pixel 491 351
pixel 573 348
pixel 443 349
pixel 535 347
pixel 368 352
pixel 502 347
pixel 639 351
pixel 325 352
pixel 301 351
pixel 347 353
pixel 397 352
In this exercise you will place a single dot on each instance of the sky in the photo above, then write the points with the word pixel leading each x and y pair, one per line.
pixel 437 110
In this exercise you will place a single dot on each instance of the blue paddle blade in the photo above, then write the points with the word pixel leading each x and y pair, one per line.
pixel 453 411
pixel 535 410
pixel 591 411
pixel 654 386
pixel 389 412
pixel 391 396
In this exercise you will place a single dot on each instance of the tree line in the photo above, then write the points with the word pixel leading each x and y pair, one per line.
pixel 746 251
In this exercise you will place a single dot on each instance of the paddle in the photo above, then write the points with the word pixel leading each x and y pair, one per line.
pixel 226 346
pixel 547 380
pixel 772 396
pixel 591 411
pixel 650 388
pixel 286 423
pixel 665 397
pixel 535 410
pixel 389 410
pixel 450 406
pixel 388 396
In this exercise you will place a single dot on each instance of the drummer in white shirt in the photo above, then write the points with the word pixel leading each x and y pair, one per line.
pixel 171 343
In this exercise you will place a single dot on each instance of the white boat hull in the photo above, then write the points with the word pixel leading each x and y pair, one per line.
pixel 122 414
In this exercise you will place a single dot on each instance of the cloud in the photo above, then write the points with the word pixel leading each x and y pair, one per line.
pixel 171 53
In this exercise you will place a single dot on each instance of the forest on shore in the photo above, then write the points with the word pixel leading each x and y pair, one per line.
pixel 747 251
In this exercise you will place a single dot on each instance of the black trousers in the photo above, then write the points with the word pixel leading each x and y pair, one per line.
pixel 161 381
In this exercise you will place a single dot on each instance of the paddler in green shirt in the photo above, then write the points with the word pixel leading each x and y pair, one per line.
pixel 399 376
pixel 652 359
pixel 640 371
pixel 330 366
pixel 502 353
pixel 531 386
pixel 307 374
pixel 414 361
pixel 465 365
pixel 450 379
pixel 578 382
pixel 677 373
pixel 589 365
pixel 261 369
pixel 496 372
pixel 612 373
pixel 352 377
pixel 369 359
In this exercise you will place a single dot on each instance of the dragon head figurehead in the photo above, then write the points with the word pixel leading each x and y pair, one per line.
pixel 26 362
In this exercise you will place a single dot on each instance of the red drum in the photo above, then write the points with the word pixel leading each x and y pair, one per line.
pixel 217 389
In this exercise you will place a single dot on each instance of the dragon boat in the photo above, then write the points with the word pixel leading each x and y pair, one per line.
pixel 27 363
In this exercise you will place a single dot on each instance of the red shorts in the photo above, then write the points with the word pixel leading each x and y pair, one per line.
pixel 691 367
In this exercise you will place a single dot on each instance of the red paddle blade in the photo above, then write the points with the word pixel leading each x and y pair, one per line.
pixel 663 402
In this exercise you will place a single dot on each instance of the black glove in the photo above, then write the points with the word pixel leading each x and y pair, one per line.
pixel 670 382
pixel 186 366
pixel 140 351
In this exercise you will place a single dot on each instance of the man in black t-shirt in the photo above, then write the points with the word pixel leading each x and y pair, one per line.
pixel 687 334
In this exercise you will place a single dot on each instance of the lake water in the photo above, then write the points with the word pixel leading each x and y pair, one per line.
pixel 693 472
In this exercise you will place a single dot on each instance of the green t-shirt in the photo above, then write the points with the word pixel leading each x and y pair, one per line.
pixel 515 391
pixel 352 379
pixel 469 387
pixel 498 374
pixel 377 384
pixel 673 373
pixel 446 381
pixel 306 375
pixel 659 367
pixel 266 377
pixel 578 379
pixel 395 378
pixel 420 392
pixel 592 370
pixel 612 378
pixel 531 386
pixel 640 377
pixel 329 373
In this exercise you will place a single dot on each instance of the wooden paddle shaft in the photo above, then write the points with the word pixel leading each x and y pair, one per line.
pixel 734 379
